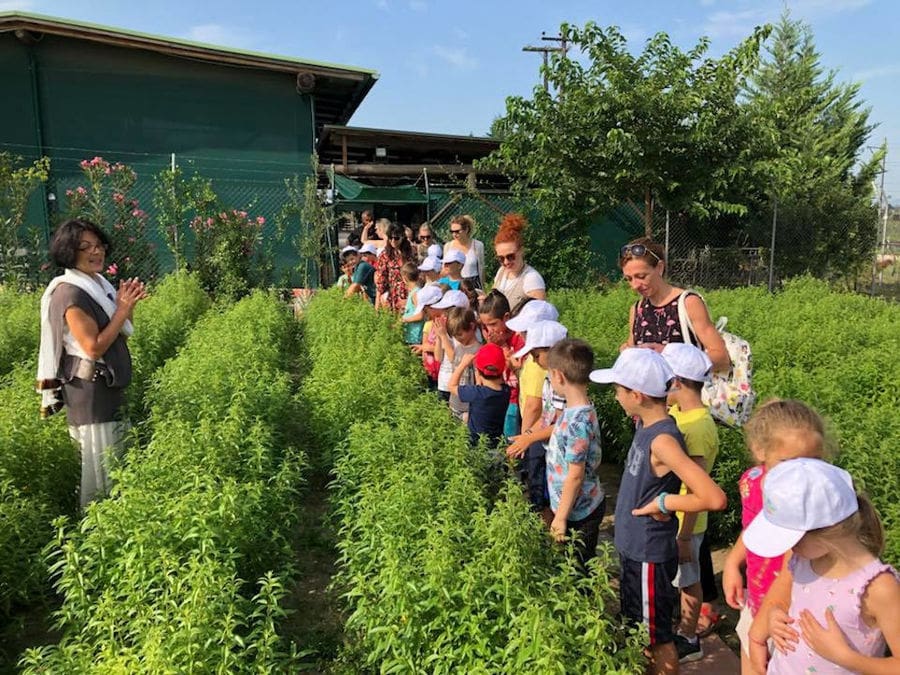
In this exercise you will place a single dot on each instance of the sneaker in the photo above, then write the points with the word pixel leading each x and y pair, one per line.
pixel 688 651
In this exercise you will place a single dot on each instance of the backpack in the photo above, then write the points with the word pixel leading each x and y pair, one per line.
pixel 730 397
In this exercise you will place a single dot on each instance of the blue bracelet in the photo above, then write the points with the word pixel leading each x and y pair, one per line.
pixel 661 503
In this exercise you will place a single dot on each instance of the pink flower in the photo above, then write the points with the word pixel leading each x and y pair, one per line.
pixel 210 222
pixel 112 270
pixel 260 220
pixel 118 197
pixel 131 240
pixel 242 214
pixel 133 203
pixel 137 213
pixel 69 193
pixel 80 190
pixel 84 164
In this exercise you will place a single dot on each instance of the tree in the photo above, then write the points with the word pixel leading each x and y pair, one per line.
pixel 814 133
pixel 663 127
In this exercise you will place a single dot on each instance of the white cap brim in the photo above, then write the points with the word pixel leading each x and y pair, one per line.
pixel 524 351
pixel 611 376
pixel 768 540
pixel 519 324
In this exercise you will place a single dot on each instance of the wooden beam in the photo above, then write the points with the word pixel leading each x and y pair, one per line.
pixel 404 169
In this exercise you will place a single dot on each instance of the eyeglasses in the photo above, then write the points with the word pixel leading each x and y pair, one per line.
pixel 636 251
pixel 509 257
pixel 455 232
pixel 394 238
pixel 88 246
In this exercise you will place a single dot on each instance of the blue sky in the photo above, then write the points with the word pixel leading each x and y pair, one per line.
pixel 447 66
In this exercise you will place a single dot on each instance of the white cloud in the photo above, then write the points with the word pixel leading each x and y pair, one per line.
pixel 14 5
pixel 418 5
pixel 741 23
pixel 219 34
pixel 872 73
pixel 457 57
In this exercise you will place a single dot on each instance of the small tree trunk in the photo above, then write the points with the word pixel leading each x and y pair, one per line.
pixel 648 213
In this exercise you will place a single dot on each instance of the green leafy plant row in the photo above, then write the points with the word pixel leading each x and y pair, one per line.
pixel 39 472
pixel 836 351
pixel 184 568
pixel 162 323
pixel 437 572
pixel 20 328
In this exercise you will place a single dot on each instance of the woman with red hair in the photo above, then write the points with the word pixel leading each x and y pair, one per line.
pixel 515 279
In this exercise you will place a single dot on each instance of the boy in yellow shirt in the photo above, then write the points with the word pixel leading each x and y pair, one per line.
pixel 692 368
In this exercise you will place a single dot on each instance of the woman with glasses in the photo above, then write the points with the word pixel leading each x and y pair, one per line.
pixel 461 228
pixel 390 288
pixel 84 363
pixel 425 239
pixel 654 320
pixel 515 279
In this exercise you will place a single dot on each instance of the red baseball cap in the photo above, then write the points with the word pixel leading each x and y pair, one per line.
pixel 490 360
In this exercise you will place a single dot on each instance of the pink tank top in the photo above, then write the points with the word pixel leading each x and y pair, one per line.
pixel 761 572
pixel 841 596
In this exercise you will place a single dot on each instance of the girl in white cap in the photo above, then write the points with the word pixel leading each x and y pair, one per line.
pixel 835 604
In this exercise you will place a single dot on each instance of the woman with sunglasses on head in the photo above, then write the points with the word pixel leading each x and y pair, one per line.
pixel 390 288
pixel 84 363
pixel 654 320
pixel 461 228
pixel 515 279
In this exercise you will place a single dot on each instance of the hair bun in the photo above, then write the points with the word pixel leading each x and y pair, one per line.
pixel 514 222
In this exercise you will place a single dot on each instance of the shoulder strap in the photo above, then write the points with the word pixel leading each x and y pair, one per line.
pixel 687 328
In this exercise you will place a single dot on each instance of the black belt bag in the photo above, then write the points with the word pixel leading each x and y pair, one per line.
pixel 85 369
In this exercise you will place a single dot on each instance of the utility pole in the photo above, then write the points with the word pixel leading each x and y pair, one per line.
pixel 886 207
pixel 545 51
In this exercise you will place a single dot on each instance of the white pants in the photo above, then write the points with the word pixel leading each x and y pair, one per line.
pixel 101 446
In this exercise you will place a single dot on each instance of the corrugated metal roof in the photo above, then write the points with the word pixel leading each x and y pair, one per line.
pixel 342 88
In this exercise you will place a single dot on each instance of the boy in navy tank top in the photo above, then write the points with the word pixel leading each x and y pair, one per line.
pixel 645 528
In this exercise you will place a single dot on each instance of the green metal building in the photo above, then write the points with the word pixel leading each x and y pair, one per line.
pixel 246 120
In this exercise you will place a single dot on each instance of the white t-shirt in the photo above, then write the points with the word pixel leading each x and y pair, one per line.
pixel 530 279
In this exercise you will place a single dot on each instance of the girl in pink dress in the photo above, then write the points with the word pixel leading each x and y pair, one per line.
pixel 834 607
pixel 778 430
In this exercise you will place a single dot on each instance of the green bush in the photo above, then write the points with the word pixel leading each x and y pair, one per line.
pixel 162 322
pixel 436 574
pixel 160 578
pixel 39 474
pixel 20 328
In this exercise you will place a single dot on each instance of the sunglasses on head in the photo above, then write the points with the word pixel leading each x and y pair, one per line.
pixel 509 257
pixel 637 251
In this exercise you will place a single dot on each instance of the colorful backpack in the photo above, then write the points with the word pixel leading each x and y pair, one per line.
pixel 730 397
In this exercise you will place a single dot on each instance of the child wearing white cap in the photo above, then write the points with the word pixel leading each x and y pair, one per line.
pixel 431 268
pixel 425 298
pixel 779 430
pixel 452 269
pixel 834 594
pixel 445 346
pixel 692 368
pixel 656 465
pixel 531 445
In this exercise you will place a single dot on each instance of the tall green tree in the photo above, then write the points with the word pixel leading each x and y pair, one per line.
pixel 813 131
pixel 664 127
